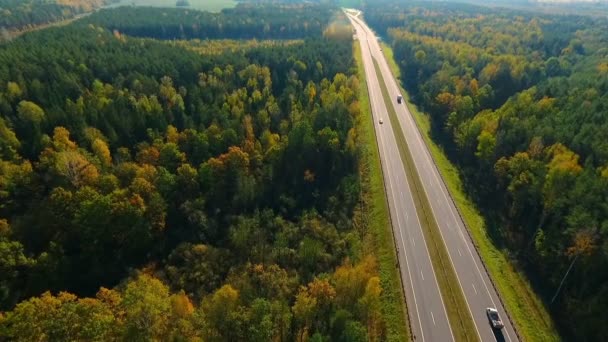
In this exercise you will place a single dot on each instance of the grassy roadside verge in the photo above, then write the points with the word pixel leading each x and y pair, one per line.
pixel 522 303
pixel 461 321
pixel 380 237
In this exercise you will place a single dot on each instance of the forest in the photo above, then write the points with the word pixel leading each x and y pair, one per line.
pixel 519 101
pixel 153 192
pixel 16 15
pixel 245 21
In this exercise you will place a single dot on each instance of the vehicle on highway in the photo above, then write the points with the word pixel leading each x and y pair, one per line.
pixel 399 98
pixel 380 121
pixel 494 319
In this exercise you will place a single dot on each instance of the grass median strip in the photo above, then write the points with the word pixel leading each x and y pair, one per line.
pixel 380 238
pixel 525 307
pixel 460 319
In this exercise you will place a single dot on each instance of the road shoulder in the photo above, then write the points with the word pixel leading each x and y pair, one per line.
pixel 380 239
pixel 529 315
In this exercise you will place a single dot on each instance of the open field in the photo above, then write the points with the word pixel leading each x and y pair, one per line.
pixel 204 5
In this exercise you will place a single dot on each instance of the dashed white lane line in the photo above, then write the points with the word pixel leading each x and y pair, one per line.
pixel 413 243
pixel 422 274
pixel 406 215
pixel 474 288
pixel 433 317
pixel 459 253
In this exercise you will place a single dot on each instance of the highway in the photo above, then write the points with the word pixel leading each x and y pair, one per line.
pixel 426 308
pixel 422 293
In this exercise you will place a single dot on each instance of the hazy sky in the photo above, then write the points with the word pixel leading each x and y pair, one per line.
pixel 562 1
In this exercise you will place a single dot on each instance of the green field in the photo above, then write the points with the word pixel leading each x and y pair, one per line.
pixel 203 5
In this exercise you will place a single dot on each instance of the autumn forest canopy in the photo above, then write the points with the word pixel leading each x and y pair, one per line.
pixel 174 174
pixel 151 190
pixel 520 103
pixel 17 15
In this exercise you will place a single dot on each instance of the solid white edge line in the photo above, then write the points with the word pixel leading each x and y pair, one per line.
pixel 434 171
pixel 420 227
pixel 372 103
pixel 426 193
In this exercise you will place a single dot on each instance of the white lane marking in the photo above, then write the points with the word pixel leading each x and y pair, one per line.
pixel 433 317
pixel 434 172
pixel 422 274
pixel 383 151
pixel 368 73
pixel 459 252
pixel 406 259
pixel 474 288
pixel 385 70
pixel 405 211
pixel 429 258
pixel 460 226
pixel 413 243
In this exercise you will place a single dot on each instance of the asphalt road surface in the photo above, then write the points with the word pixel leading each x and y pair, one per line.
pixel 425 305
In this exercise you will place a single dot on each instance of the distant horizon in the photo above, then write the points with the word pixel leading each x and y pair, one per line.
pixel 571 1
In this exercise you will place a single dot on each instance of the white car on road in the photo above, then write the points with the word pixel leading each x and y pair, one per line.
pixel 494 319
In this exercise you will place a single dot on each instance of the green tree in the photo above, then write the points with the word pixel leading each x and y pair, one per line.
pixel 224 320
pixel 9 144
pixel 147 307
